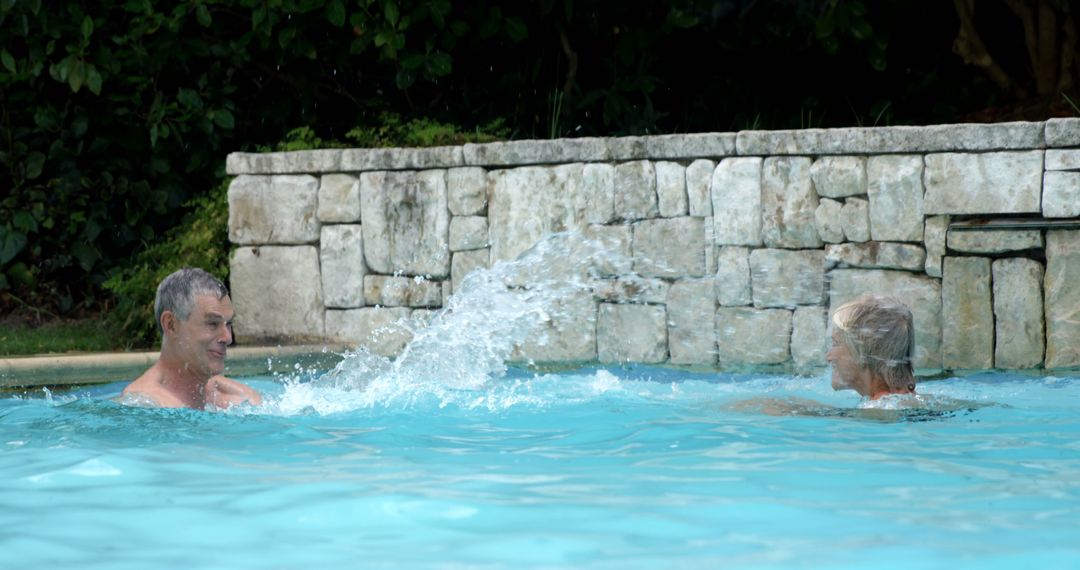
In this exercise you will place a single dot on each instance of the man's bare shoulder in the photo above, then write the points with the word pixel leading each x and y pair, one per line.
pixel 146 390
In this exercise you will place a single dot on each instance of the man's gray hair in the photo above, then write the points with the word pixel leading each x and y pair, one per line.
pixel 880 333
pixel 177 292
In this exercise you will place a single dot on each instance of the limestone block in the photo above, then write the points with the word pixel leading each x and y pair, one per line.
pixel 896 197
pixel 967 336
pixel 626 148
pixel 809 337
pixel 464 263
pixel 934 235
pixel 635 190
pixel 785 278
pixel 829 221
pixel 1017 135
pixel 391 291
pixel 839 176
pixel 736 201
pixel 273 210
pixel 277 292
pixel 631 333
pixel 406 222
pixel 631 289
pixel 610 248
pixel 1062 132
pixel 532 202
pixel 295 162
pixel 995 241
pixel 855 218
pixel 788 203
pixel 921 294
pixel 752 336
pixel 698 180
pixel 428 158
pixel 691 309
pixel 468 232
pixel 669 247
pixel 876 254
pixel 567 335
pixel 1062 159
pixel 733 276
pixel 690 145
pixel 598 190
pixel 1061 195
pixel 988 183
pixel 467 190
pixel 710 247
pixel 382 331
pixel 671 189
pixel 339 198
pixel 1018 313
pixel 341 255
pixel 1062 299
pixel 518 153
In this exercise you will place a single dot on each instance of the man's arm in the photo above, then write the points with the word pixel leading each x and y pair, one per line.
pixel 224 393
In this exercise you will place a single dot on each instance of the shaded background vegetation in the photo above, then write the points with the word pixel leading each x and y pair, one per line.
pixel 116 115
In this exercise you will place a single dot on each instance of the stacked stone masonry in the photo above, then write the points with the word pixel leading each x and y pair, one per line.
pixel 728 250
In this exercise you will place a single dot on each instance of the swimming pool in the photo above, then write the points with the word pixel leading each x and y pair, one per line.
pixel 628 467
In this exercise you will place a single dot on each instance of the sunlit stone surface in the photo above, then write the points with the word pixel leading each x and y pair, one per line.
pixel 273 210
pixel 632 289
pixel 384 331
pixel 1062 299
pixel 291 309
pixel 733 276
pixel 669 247
pixel 635 190
pixel 934 235
pixel 632 333
pixel 788 203
pixel 997 241
pixel 752 336
pixel 671 189
pixel 876 255
pixel 467 190
pixel 984 183
pixel 406 222
pixel 468 232
pixel 691 308
pixel 341 255
pixel 390 291
pixel 1061 194
pixel 967 335
pixel 465 262
pixel 567 334
pixel 736 202
pixel 839 176
pixel 895 185
pixel 829 221
pixel 339 198
pixel 1018 313
pixel 809 338
pixel 855 218
pixel 785 278
pixel 699 176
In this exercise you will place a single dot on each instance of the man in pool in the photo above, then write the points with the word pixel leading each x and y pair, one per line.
pixel 195 314
pixel 873 345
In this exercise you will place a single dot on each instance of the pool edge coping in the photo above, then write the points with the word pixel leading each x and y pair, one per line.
pixel 66 369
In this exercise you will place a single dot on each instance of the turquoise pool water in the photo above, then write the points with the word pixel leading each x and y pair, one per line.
pixel 596 468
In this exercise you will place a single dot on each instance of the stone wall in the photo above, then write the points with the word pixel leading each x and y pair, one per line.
pixel 738 245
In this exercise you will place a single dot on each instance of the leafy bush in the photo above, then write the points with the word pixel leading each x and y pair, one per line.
pixel 201 240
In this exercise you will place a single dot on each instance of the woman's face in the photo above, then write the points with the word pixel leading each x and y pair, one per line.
pixel 846 372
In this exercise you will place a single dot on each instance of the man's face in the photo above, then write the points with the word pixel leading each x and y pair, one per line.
pixel 202 339
pixel 846 373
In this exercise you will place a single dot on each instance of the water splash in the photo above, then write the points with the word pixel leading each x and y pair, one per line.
pixel 454 356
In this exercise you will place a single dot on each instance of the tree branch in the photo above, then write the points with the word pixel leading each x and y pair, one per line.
pixel 1046 73
pixel 1068 54
pixel 1027 17
pixel 969 46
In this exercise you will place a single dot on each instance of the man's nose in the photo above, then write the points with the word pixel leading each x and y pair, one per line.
pixel 226 334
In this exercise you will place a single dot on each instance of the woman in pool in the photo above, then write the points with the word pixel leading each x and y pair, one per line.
pixel 873 346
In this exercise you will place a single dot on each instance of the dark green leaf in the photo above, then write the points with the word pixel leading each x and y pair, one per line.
pixel 24 222
pixel 87 27
pixel 390 10
pixel 202 14
pixel 35 163
pixel 8 61
pixel 11 243
pixel 93 80
pixel 516 29
pixel 413 61
pixel 405 79
pixel 76 76
pixel 861 29
pixel 85 254
pixel 224 119
pixel 21 273
pixel 440 64
pixel 189 98
pixel 335 12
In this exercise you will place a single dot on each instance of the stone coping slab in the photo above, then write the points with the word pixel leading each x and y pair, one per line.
pixel 854 140
pixel 102 368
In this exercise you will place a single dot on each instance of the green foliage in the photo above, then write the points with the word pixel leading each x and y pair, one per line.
pixel 201 240
pixel 391 131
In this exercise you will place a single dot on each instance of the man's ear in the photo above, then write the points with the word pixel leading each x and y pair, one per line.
pixel 168 322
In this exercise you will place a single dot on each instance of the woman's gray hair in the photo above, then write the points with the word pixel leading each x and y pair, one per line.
pixel 880 333
pixel 177 292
